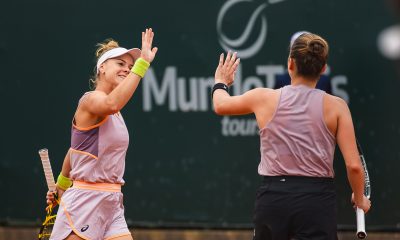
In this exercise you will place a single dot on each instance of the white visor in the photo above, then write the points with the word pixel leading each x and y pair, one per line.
pixel 115 52
pixel 295 36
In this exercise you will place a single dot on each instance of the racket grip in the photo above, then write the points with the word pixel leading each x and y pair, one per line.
pixel 48 172
pixel 361 233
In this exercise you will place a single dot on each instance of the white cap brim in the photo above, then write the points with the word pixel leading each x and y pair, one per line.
pixel 116 52
pixel 295 36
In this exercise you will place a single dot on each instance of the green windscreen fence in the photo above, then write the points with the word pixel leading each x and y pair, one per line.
pixel 185 165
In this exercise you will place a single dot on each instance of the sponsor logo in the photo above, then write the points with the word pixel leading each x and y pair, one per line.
pixel 84 228
pixel 244 45
pixel 178 92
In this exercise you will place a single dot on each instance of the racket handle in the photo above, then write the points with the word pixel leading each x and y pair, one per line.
pixel 44 156
pixel 361 233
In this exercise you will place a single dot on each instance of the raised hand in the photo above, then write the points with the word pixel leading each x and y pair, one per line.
pixel 226 70
pixel 148 53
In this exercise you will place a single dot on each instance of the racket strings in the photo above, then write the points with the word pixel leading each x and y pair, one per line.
pixel 48 223
pixel 47 226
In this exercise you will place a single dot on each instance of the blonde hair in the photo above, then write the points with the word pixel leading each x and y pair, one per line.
pixel 310 53
pixel 102 47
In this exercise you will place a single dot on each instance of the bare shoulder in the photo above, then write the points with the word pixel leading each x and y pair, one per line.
pixel 91 99
pixel 93 96
pixel 339 100
pixel 263 92
pixel 333 102
pixel 265 98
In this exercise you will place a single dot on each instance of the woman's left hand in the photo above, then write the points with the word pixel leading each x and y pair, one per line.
pixel 148 52
pixel 226 70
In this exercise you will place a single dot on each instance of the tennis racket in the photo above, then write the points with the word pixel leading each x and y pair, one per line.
pixel 361 233
pixel 48 223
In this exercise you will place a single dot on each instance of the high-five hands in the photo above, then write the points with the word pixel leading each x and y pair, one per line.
pixel 226 70
pixel 148 53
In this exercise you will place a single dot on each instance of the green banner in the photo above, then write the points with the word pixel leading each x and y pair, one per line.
pixel 186 165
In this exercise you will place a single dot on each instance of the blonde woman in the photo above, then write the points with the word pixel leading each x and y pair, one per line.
pixel 299 128
pixel 93 207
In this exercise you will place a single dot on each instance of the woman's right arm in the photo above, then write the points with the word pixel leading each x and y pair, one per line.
pixel 66 169
pixel 101 104
pixel 347 143
pixel 223 103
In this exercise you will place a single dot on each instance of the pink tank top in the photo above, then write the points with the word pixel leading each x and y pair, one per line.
pixel 296 141
pixel 98 152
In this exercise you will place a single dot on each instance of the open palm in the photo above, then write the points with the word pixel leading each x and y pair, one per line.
pixel 148 53
pixel 226 70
